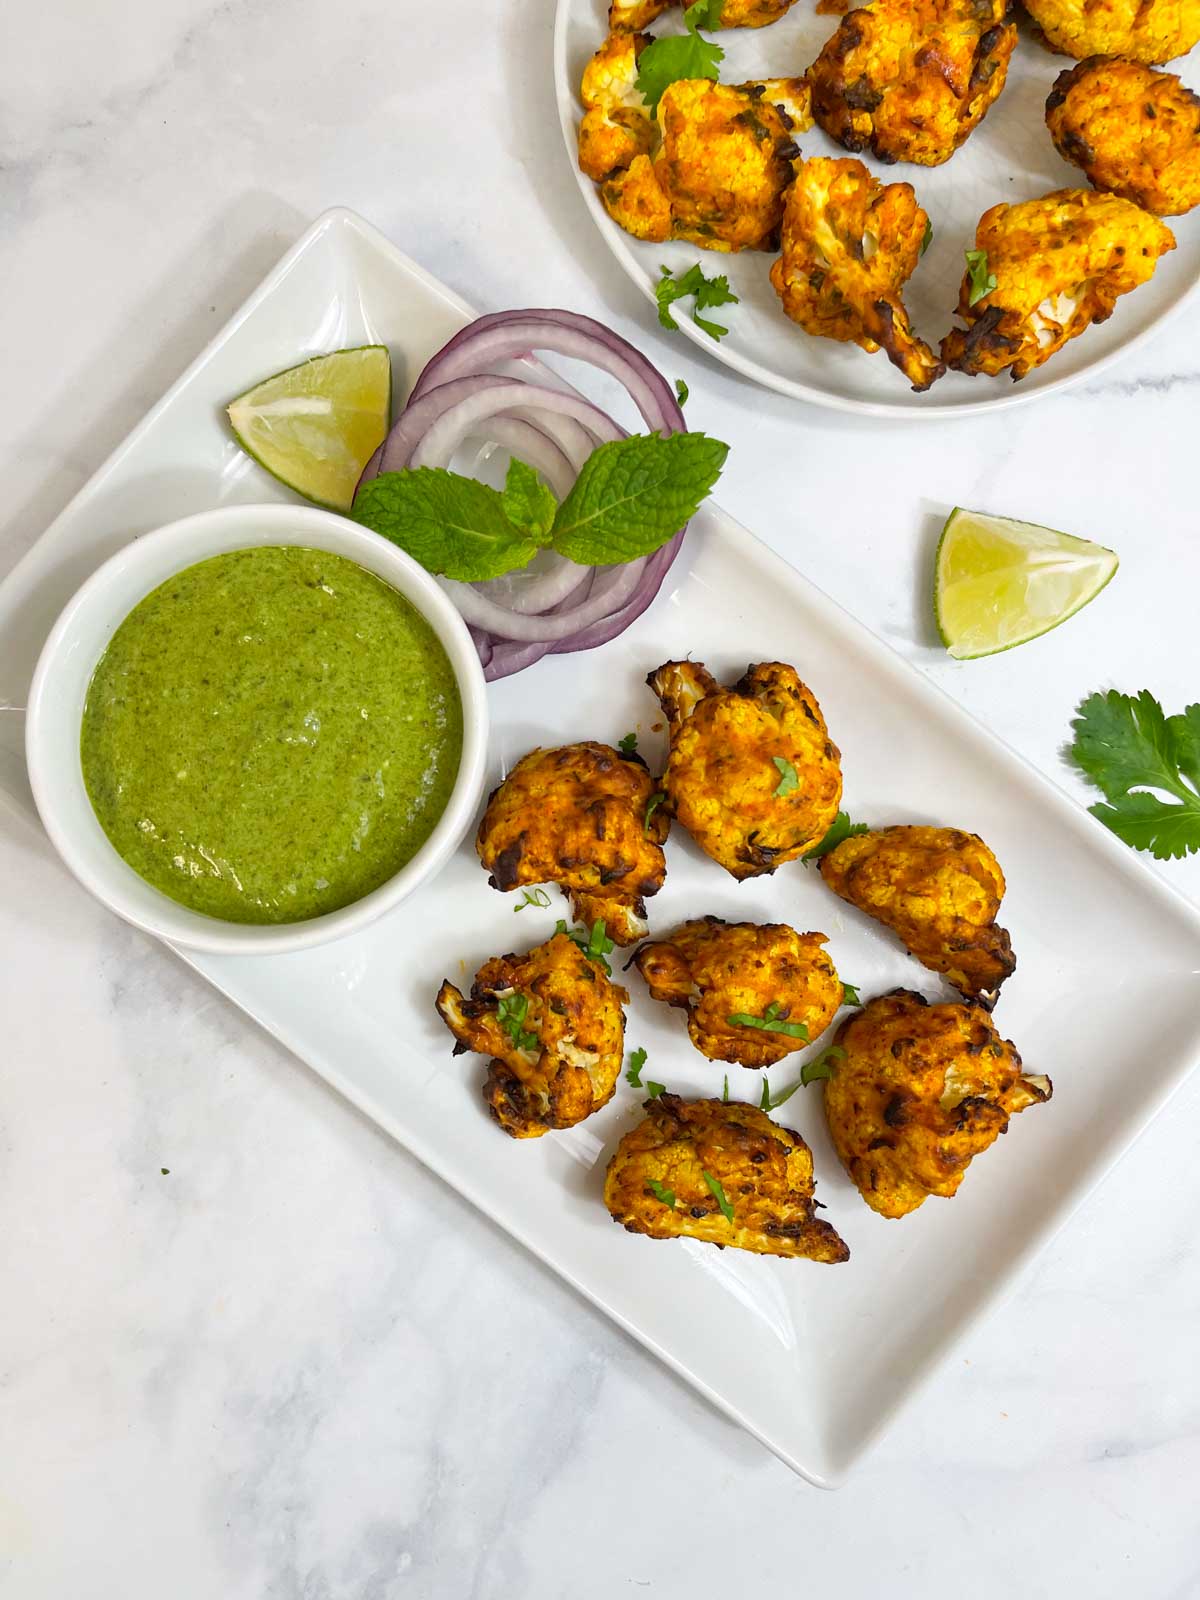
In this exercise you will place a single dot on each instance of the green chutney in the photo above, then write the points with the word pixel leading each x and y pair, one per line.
pixel 271 734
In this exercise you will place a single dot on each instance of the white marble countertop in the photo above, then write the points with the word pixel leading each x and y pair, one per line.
pixel 294 1364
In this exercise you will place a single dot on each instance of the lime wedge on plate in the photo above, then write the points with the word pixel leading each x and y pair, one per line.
pixel 998 583
pixel 315 426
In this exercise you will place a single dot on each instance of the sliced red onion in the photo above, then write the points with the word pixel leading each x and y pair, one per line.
pixel 612 589
pixel 453 426
pixel 528 594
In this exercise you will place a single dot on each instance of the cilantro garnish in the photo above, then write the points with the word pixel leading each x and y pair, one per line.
pixel 928 239
pixel 595 945
pixel 820 1067
pixel 630 497
pixel 652 805
pixel 771 1021
pixel 789 779
pixel 1127 746
pixel 633 1074
pixel 627 744
pixel 661 1192
pixel 534 897
pixel 688 56
pixel 718 1193
pixel 764 1103
pixel 654 1089
pixel 510 1014
pixel 840 828
pixel 681 391
pixel 981 281
pixel 707 292
pixel 725 1091
pixel 850 995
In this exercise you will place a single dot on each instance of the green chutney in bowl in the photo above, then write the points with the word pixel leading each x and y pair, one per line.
pixel 271 734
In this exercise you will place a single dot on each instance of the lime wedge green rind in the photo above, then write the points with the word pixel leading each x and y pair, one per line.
pixel 315 426
pixel 999 583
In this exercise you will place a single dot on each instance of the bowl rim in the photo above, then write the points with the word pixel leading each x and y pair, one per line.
pixel 142 563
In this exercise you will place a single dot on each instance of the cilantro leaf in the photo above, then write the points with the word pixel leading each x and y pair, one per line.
pixel 823 1066
pixel 455 527
pixel 510 1014
pixel 534 897
pixel 981 281
pixel 840 828
pixel 928 239
pixel 528 504
pixel 628 744
pixel 654 1089
pixel 637 1060
pixel 706 292
pixel 764 1103
pixel 771 1021
pixel 661 1192
pixel 634 494
pixel 665 61
pixel 652 805
pixel 1126 745
pixel 718 1192
pixel 789 778
pixel 682 391
pixel 725 1091
pixel 596 945
pixel 850 995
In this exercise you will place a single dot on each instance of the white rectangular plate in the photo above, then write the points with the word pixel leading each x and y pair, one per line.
pixel 814 1360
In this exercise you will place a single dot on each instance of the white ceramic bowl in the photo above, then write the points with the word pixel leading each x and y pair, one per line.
pixel 81 635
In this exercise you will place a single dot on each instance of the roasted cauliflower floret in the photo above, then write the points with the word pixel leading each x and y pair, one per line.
pixel 1133 131
pixel 554 1027
pixel 617 125
pixel 628 14
pixel 848 248
pixel 940 890
pixel 1060 264
pixel 719 175
pixel 752 774
pixel 577 817
pixel 720 972
pixel 909 79
pixel 657 1180
pixel 1152 31
pixel 920 1090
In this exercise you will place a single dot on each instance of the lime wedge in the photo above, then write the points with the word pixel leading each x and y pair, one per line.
pixel 315 426
pixel 998 583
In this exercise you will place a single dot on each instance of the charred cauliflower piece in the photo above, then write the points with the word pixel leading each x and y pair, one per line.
pixel 920 1090
pixel 577 817
pixel 752 774
pixel 909 79
pixel 720 971
pixel 940 890
pixel 553 1024
pixel 656 1181
pixel 1152 31
pixel 1134 132
pixel 626 14
pixel 720 173
pixel 1060 264
pixel 617 125
pixel 848 248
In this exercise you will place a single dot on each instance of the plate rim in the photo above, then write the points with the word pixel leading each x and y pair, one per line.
pixel 619 246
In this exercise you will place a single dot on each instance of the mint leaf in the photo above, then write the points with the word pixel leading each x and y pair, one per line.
pixel 633 1074
pixel 665 61
pixel 634 494
pixel 981 281
pixel 454 526
pixel 789 779
pixel 528 503
pixel 661 1192
pixel 706 292
pixel 1126 746
pixel 840 828
pixel 718 1192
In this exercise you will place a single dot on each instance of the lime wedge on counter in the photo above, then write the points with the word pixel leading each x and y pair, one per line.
pixel 998 583
pixel 315 426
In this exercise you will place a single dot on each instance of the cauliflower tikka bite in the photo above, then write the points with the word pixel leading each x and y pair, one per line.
pixel 753 993
pixel 722 1173
pixel 940 890
pixel 1059 264
pixel 617 125
pixel 582 817
pixel 849 245
pixel 1152 31
pixel 909 79
pixel 918 1093
pixel 1132 131
pixel 627 14
pixel 553 1024
pixel 752 774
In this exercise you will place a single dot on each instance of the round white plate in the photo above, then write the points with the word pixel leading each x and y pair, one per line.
pixel 1008 157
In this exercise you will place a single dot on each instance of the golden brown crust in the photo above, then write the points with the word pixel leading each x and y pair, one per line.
pixel 717 970
pixel 938 888
pixel 849 245
pixel 765 1170
pixel 909 79
pixel 921 1091
pixel 626 14
pixel 1133 131
pixel 1151 31
pixel 1060 263
pixel 576 816
pixel 617 125
pixel 722 779
pixel 564 1061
